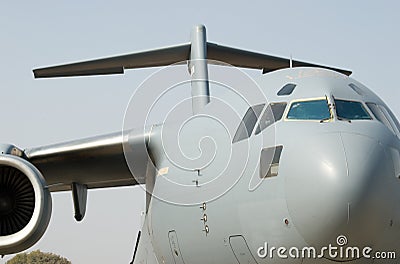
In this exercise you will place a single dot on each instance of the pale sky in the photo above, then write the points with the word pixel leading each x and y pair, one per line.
pixel 362 36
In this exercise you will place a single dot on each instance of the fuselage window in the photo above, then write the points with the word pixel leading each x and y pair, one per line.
pixel 310 110
pixel 272 114
pixel 350 110
pixel 269 161
pixel 248 122
pixel 287 89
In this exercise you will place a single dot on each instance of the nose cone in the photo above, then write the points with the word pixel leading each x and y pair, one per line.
pixel 336 186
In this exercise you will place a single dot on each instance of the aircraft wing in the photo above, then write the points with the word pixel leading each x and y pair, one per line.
pixel 174 54
pixel 96 162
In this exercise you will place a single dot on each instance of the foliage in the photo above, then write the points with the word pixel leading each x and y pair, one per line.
pixel 37 257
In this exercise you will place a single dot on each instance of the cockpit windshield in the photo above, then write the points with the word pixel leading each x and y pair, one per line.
pixel 350 110
pixel 310 110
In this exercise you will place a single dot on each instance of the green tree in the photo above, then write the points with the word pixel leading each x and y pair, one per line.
pixel 37 257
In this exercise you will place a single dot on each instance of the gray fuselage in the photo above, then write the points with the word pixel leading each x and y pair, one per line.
pixel 333 177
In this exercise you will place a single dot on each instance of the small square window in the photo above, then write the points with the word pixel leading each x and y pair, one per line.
pixel 269 161
pixel 356 89
pixel 287 89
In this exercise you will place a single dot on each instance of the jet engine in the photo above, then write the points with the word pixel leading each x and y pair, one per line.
pixel 25 204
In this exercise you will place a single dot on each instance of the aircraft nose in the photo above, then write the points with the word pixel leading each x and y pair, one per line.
pixel 339 185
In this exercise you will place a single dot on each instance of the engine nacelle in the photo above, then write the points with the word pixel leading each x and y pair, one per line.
pixel 25 204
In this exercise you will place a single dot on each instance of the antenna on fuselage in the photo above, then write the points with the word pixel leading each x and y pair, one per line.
pixel 291 61
pixel 198 68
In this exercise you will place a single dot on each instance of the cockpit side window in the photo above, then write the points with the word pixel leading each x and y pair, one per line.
pixel 350 110
pixel 394 119
pixel 272 114
pixel 248 122
pixel 309 110
pixel 380 115
pixel 391 121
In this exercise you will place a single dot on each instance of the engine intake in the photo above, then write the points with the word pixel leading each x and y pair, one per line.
pixel 25 204
pixel 17 200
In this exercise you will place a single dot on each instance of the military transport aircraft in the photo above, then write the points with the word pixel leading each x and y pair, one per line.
pixel 308 172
